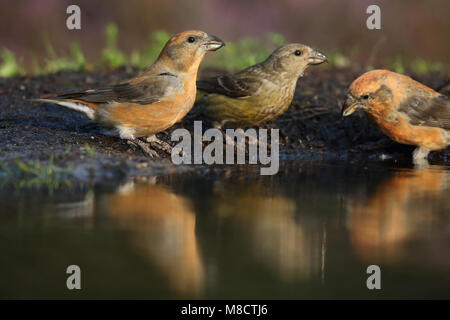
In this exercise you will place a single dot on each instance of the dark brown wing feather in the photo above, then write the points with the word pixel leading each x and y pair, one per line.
pixel 146 93
pixel 230 86
pixel 432 112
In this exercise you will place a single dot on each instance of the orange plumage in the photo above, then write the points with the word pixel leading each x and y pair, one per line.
pixel 154 100
pixel 404 109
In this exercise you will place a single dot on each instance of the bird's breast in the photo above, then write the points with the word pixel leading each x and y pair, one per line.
pixel 398 128
pixel 149 118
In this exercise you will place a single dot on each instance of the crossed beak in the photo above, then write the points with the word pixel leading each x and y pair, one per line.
pixel 316 57
pixel 212 43
pixel 350 106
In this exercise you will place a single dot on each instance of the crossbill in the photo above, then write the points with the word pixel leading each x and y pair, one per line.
pixel 259 93
pixel 154 100
pixel 405 110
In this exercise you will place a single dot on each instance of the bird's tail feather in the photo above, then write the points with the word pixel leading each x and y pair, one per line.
pixel 74 105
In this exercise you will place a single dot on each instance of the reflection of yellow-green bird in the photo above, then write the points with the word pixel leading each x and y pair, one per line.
pixel 259 93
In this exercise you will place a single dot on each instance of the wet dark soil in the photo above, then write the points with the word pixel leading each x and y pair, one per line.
pixel 312 128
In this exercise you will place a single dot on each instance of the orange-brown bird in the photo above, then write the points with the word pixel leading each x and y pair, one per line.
pixel 259 93
pixel 405 110
pixel 154 100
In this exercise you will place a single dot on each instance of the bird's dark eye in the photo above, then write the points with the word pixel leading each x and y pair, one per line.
pixel 365 97
pixel 298 53
pixel 191 39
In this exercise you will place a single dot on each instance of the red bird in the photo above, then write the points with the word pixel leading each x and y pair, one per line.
pixel 152 101
pixel 404 109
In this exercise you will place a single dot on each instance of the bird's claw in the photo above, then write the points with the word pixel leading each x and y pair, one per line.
pixel 159 144
pixel 144 147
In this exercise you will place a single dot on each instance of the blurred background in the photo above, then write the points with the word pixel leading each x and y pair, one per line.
pixel 34 37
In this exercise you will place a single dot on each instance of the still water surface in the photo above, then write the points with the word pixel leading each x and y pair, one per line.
pixel 308 232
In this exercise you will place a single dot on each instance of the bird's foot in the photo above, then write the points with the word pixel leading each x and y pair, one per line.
pixel 159 144
pixel 145 147
pixel 420 157
pixel 249 146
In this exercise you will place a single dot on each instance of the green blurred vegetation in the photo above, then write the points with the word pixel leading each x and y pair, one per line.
pixel 35 175
pixel 234 56
pixel 54 63
pixel 247 51
pixel 417 65
pixel 10 66
pixel 112 56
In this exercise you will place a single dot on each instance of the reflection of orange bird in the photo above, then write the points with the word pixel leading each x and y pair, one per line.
pixel 162 227
pixel 152 101
pixel 405 110
pixel 400 208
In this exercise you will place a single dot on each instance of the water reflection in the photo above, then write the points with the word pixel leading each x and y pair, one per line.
pixel 83 208
pixel 294 235
pixel 293 248
pixel 162 228
pixel 407 205
pixel 271 224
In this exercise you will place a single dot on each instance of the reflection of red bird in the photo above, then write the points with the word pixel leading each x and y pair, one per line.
pixel 405 110
pixel 152 101
pixel 401 208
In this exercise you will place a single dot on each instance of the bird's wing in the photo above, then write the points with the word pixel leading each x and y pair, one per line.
pixel 151 91
pixel 432 112
pixel 231 86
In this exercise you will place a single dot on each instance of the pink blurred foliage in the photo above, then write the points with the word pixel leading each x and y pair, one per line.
pixel 412 28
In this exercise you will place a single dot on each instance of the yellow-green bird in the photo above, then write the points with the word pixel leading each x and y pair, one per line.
pixel 259 93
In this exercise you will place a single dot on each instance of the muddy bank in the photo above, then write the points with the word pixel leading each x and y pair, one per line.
pixel 312 128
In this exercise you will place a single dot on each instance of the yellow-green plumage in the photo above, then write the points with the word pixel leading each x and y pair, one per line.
pixel 259 93
pixel 251 111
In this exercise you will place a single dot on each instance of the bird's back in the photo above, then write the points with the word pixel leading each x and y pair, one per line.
pixel 249 97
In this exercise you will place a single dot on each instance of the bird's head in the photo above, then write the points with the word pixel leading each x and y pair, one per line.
pixel 369 90
pixel 294 58
pixel 184 51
